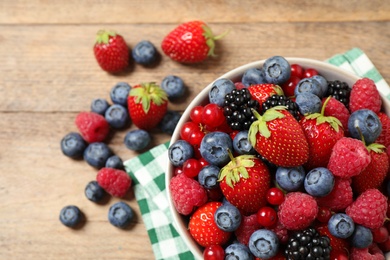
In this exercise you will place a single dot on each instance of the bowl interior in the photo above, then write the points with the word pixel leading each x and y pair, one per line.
pixel 329 71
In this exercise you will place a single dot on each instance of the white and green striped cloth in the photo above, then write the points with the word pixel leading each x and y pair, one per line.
pixel 147 172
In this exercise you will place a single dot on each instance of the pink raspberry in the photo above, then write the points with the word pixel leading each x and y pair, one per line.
pixel 297 211
pixel 338 110
pixel 364 94
pixel 371 253
pixel 384 137
pixel 281 232
pixel 92 126
pixel 187 194
pixel 115 182
pixel 369 209
pixel 248 225
pixel 349 157
pixel 340 197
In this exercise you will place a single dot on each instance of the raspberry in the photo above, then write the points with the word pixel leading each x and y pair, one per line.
pixel 364 94
pixel 115 182
pixel 349 157
pixel 297 211
pixel 384 137
pixel 281 232
pixel 373 253
pixel 369 209
pixel 92 126
pixel 248 225
pixel 338 110
pixel 340 197
pixel 187 194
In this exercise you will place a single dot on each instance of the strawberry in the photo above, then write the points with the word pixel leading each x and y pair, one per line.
pixel 190 42
pixel 111 51
pixel 384 137
pixel 244 182
pixel 321 132
pixel 261 92
pixel 147 104
pixel 279 138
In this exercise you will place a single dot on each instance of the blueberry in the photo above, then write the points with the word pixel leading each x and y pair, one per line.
pixel 114 162
pixel 70 216
pixel 341 225
pixel 144 53
pixel 308 85
pixel 137 139
pixel 120 214
pixel 99 106
pixel 96 154
pixel 319 182
pixel 94 192
pixel 253 76
pixel 290 179
pixel 277 70
pixel 308 103
pixel 241 144
pixel 179 152
pixel 238 251
pixel 367 122
pixel 117 116
pixel 73 145
pixel 361 237
pixel 214 148
pixel 169 122
pixel 219 89
pixel 173 86
pixel 208 176
pixel 227 217
pixel 263 243
pixel 119 93
pixel 323 83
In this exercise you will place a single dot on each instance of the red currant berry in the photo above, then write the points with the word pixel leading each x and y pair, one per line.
pixel 187 129
pixel 214 252
pixel 203 162
pixel 296 71
pixel 177 171
pixel 191 167
pixel 212 115
pixel 289 86
pixel 380 235
pixel 324 214
pixel 275 196
pixel 239 85
pixel 197 154
pixel 385 246
pixel 267 216
pixel 339 255
pixel 196 114
pixel 308 73
pixel 195 137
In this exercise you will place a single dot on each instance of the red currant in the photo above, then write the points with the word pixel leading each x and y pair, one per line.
pixel 203 162
pixel 187 129
pixel 191 167
pixel 177 171
pixel 339 256
pixel 385 246
pixel 275 196
pixel 289 86
pixel 308 73
pixel 212 115
pixel 214 252
pixel 195 137
pixel 324 214
pixel 239 85
pixel 196 114
pixel 380 235
pixel 267 216
pixel 296 71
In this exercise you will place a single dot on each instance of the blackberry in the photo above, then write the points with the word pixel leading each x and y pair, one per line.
pixel 237 109
pixel 308 244
pixel 282 100
pixel 339 90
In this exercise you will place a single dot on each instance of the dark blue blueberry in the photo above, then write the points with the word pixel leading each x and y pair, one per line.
pixel 227 217
pixel 361 237
pixel 179 152
pixel 144 53
pixel 308 103
pixel 364 122
pixel 96 154
pixel 208 176
pixel 99 106
pixel 219 89
pixel 214 148
pixel 341 225
pixel 173 86
pixel 119 93
pixel 277 70
pixel 114 162
pixel 238 251
pixel 94 192
pixel 290 179
pixel 241 143
pixel 253 76
pixel 73 145
pixel 70 216
pixel 117 116
pixel 120 214
pixel 308 85
pixel 319 182
pixel 169 122
pixel 137 139
pixel 323 83
pixel 263 243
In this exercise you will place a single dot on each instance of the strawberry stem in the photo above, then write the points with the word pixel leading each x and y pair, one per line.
pixel 324 105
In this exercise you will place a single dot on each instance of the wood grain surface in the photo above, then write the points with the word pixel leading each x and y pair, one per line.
pixel 48 74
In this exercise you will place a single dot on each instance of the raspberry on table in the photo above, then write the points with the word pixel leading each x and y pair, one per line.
pixel 115 182
pixel 92 126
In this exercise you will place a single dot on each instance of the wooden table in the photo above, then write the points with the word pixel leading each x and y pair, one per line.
pixel 48 74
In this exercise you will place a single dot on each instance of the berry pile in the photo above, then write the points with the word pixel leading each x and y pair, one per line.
pixel 308 179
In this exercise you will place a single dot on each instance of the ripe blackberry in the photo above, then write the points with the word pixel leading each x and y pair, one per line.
pixel 340 91
pixel 282 100
pixel 308 244
pixel 237 109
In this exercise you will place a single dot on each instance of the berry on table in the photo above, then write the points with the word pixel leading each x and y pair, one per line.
pixel 70 216
pixel 119 93
pixel 169 122
pixel 99 106
pixel 73 145
pixel 96 154
pixel 137 139
pixel 340 197
pixel 115 182
pixel 92 127
pixel 94 192
pixel 144 53
pixel 212 115
pixel 115 162
pixel 117 116
pixel 120 214
pixel 173 86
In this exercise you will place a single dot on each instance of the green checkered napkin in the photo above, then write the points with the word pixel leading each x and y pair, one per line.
pixel 147 172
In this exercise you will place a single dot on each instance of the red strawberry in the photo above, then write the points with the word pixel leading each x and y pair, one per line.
pixel 384 137
pixel 244 181
pixel 190 42
pixel 147 104
pixel 93 127
pixel 279 138
pixel 115 182
pixel 364 94
pixel 111 51
pixel 321 132
pixel 261 92
pixel 203 228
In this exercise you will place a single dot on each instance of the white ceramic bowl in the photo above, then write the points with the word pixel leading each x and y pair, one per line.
pixel 327 70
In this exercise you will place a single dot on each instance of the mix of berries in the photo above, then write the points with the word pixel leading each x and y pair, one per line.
pixel 284 164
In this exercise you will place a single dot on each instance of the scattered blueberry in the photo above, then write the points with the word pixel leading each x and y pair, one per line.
pixel 73 145
pixel 290 179
pixel 94 192
pixel 179 152
pixel 144 53
pixel 323 83
pixel 277 70
pixel 263 243
pixel 120 214
pixel 308 85
pixel 227 217
pixel 137 139
pixel 319 182
pixel 114 162
pixel 70 216
pixel 208 176
pixel 238 251
pixel 253 76
pixel 96 154
pixel 241 143
pixel 214 148
pixel 173 86
pixel 169 122
pixel 341 225
pixel 366 123
pixel 361 237
pixel 219 89
pixel 99 106
pixel 119 93
pixel 117 116
pixel 308 103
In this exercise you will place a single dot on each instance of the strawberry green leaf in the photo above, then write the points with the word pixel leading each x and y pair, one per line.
pixel 236 169
pixel 146 93
pixel 103 36
pixel 210 39
pixel 320 119
pixel 375 147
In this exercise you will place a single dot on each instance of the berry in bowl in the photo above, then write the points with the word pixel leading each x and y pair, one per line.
pixel 283 158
